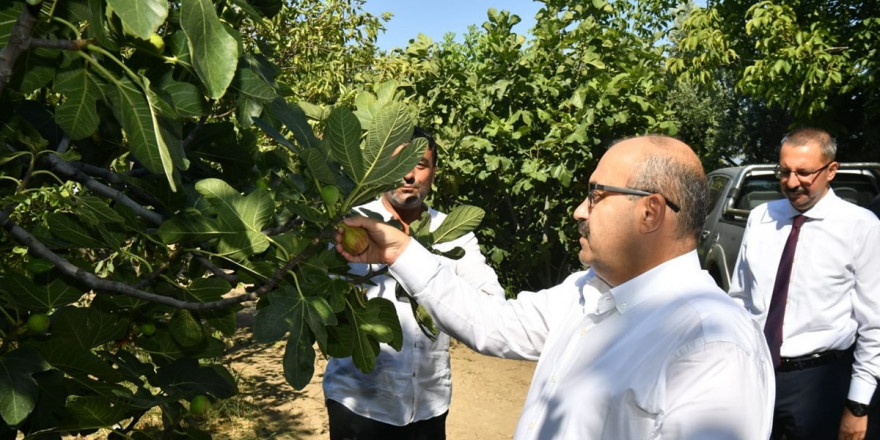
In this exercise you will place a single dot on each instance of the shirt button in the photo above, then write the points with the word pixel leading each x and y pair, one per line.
pixel 623 306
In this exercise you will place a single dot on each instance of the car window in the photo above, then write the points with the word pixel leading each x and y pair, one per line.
pixel 716 190
pixel 856 188
pixel 757 189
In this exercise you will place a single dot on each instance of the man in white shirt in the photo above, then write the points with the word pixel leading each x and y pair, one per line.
pixel 830 329
pixel 407 395
pixel 643 345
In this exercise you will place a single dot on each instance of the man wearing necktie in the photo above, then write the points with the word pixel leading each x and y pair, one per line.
pixel 809 272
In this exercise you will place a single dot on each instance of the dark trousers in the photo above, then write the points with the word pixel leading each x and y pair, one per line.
pixel 874 418
pixel 810 402
pixel 346 425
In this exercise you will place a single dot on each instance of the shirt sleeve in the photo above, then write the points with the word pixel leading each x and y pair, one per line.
pixel 866 310
pixel 514 329
pixel 472 267
pixel 741 277
pixel 730 399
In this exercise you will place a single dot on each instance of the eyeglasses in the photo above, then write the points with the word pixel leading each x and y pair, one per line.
pixel 591 196
pixel 784 173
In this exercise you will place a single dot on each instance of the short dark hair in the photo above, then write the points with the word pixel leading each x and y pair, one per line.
pixel 804 135
pixel 419 132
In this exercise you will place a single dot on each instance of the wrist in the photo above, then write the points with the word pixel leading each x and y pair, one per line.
pixel 395 252
pixel 857 409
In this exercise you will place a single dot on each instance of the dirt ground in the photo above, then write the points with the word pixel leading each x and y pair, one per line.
pixel 487 397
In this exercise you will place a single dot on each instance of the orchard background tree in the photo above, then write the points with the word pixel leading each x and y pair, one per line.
pixel 788 63
pixel 141 205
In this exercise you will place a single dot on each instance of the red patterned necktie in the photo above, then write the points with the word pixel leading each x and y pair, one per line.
pixel 776 311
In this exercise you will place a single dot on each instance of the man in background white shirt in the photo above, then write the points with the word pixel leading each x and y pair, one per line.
pixel 407 395
pixel 833 305
pixel 643 345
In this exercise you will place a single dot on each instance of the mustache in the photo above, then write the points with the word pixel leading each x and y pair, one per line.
pixel 796 191
pixel 584 228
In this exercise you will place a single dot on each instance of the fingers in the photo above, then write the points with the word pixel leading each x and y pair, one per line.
pixel 385 242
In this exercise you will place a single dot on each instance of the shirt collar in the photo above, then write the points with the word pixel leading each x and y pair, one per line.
pixel 658 281
pixel 822 209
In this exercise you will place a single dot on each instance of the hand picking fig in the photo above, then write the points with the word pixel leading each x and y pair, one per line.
pixel 354 239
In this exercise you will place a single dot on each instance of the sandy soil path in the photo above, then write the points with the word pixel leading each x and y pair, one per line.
pixel 486 399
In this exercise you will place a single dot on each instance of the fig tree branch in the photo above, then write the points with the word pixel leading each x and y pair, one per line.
pixel 91 281
pixel 19 41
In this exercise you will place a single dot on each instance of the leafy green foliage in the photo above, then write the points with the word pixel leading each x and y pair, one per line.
pixel 800 63
pixel 141 207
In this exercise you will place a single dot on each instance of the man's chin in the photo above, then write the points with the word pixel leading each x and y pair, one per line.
pixel 585 256
pixel 799 201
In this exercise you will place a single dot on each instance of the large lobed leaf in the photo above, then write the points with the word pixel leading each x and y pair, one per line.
pixel 38 297
pixel 461 220
pixel 214 51
pixel 293 117
pixel 343 135
pixel 77 115
pixel 18 389
pixel 383 164
pixel 140 17
pixel 138 119
pixel 240 219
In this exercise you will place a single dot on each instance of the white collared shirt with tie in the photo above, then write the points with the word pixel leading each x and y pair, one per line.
pixel 666 355
pixel 834 292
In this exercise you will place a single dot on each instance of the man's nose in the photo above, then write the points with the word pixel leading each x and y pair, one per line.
pixel 409 177
pixel 582 212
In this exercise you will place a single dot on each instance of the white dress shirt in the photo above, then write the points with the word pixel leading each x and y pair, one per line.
pixel 834 292
pixel 415 383
pixel 666 355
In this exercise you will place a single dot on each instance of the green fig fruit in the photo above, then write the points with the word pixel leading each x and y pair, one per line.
pixel 157 43
pixel 148 329
pixel 330 194
pixel 38 323
pixel 199 404
pixel 354 239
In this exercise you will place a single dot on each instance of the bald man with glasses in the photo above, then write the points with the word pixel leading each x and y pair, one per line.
pixel 642 344
pixel 808 271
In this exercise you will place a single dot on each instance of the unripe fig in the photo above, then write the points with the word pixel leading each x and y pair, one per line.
pixel 38 323
pixel 199 404
pixel 354 239
pixel 148 329
pixel 330 194
pixel 157 42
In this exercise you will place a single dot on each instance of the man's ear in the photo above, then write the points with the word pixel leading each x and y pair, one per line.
pixel 832 170
pixel 653 212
